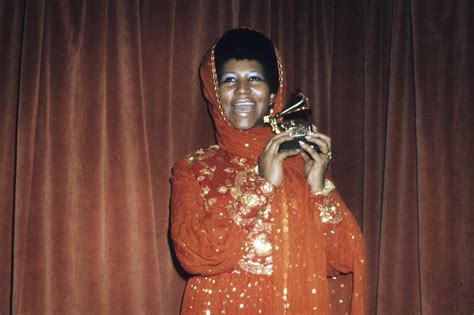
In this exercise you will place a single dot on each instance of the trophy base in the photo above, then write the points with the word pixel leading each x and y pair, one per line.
pixel 293 145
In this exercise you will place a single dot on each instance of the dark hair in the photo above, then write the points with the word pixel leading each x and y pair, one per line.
pixel 244 43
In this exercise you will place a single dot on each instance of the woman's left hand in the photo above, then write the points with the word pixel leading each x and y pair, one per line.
pixel 316 164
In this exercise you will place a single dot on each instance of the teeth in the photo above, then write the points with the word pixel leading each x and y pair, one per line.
pixel 243 108
pixel 244 104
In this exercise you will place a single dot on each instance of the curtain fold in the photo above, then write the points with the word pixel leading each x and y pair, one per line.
pixel 399 229
pixel 443 50
pixel 98 99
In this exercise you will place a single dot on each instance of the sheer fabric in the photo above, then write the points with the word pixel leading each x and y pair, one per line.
pixel 305 250
pixel 100 98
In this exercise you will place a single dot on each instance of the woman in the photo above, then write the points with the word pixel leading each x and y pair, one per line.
pixel 259 230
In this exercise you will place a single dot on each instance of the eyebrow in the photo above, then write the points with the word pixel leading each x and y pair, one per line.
pixel 250 71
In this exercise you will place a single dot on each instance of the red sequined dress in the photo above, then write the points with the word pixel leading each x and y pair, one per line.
pixel 250 247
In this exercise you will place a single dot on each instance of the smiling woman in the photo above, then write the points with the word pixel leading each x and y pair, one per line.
pixel 245 93
pixel 259 230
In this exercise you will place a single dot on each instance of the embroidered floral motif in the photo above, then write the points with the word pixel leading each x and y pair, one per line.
pixel 246 197
pixel 240 161
pixel 211 201
pixel 209 171
pixel 328 209
pixel 201 154
pixel 205 190
pixel 250 199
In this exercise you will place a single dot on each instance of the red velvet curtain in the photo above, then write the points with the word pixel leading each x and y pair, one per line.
pixel 100 98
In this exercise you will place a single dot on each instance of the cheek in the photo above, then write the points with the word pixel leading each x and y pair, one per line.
pixel 224 99
pixel 264 98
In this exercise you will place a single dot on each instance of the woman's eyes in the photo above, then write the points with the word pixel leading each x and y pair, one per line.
pixel 228 80
pixel 255 78
pixel 251 78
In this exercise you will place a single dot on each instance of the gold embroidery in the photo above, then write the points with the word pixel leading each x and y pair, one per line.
pixel 264 267
pixel 328 211
pixel 248 206
pixel 262 246
pixel 267 188
pixel 209 171
pixel 250 199
pixel 211 201
pixel 240 161
pixel 201 154
pixel 328 187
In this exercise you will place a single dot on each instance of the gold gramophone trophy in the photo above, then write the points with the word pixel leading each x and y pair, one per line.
pixel 294 119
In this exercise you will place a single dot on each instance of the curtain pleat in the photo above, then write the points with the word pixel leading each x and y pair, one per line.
pixel 444 68
pixel 399 228
pixel 100 98
pixel 11 42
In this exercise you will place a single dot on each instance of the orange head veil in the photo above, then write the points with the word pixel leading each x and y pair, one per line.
pixel 246 143
pixel 301 251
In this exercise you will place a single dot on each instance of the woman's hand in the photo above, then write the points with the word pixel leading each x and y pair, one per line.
pixel 270 164
pixel 316 164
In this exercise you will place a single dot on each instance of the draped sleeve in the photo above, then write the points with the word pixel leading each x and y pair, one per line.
pixel 343 239
pixel 206 242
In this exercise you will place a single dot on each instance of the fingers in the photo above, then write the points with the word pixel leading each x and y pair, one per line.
pixel 275 142
pixel 322 135
pixel 310 152
pixel 283 155
pixel 305 156
pixel 323 141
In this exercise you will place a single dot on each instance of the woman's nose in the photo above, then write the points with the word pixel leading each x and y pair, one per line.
pixel 242 87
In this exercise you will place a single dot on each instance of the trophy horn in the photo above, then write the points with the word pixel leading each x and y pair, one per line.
pixel 298 103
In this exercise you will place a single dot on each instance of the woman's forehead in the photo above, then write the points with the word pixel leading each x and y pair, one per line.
pixel 234 65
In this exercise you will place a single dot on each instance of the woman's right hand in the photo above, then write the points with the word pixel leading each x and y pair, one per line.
pixel 270 164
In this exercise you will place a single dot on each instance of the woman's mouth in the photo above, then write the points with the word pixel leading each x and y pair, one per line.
pixel 243 108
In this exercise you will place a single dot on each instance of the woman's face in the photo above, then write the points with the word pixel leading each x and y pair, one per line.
pixel 244 92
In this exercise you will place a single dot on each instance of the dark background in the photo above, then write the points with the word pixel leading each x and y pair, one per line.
pixel 100 98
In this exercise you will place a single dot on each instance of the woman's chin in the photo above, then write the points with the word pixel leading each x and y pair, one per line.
pixel 246 125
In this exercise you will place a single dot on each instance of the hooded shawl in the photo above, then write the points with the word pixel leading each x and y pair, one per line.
pixel 210 242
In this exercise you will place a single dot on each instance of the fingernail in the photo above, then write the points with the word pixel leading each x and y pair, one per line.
pixel 301 142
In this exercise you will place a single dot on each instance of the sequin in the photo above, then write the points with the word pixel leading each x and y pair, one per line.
pixel 250 199
pixel 209 171
pixel 201 154
pixel 262 246
pixel 245 198
pixel 328 187
pixel 328 211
